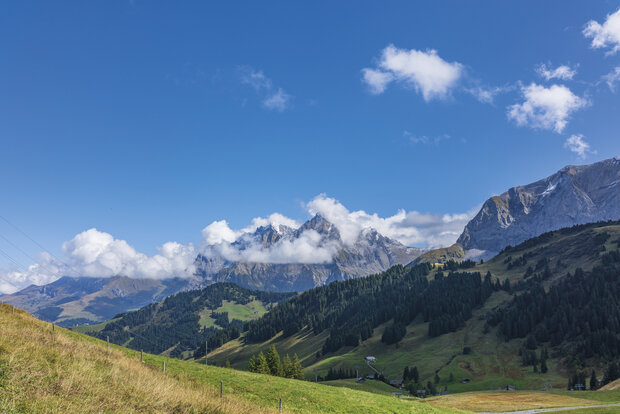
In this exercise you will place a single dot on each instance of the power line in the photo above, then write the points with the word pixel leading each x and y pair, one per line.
pixel 30 257
pixel 40 246
pixel 8 256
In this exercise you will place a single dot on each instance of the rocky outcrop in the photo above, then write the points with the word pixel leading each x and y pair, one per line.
pixel 573 195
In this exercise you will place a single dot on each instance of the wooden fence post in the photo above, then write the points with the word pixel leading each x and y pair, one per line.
pixel 280 404
pixel 164 366
pixel 141 360
pixel 221 389
pixel 107 338
pixel 53 328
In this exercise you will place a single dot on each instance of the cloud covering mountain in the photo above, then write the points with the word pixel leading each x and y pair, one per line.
pixel 96 253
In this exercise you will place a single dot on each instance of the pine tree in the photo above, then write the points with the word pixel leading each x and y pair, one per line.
pixel 287 367
pixel 227 364
pixel 273 361
pixel 298 370
pixel 436 378
pixel 543 366
pixel 253 364
pixel 593 381
pixel 262 367
pixel 415 375
pixel 406 375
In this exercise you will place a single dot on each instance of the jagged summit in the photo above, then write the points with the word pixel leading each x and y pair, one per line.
pixel 371 253
pixel 574 195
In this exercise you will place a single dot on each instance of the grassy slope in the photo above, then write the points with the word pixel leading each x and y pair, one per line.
pixel 63 371
pixel 509 401
pixel 493 362
pixel 71 372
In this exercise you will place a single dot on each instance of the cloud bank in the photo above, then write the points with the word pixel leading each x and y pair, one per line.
pixel 94 253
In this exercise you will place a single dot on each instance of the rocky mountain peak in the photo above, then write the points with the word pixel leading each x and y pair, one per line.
pixel 574 195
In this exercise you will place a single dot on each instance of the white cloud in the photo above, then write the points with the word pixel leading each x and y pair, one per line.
pixel 274 98
pixel 410 228
pixel 606 34
pixel 97 254
pixel 424 70
pixel 612 78
pixel 279 100
pixel 562 72
pixel 376 79
pixel 546 108
pixel 578 145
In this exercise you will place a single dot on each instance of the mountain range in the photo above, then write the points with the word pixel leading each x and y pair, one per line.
pixel 371 253
pixel 573 195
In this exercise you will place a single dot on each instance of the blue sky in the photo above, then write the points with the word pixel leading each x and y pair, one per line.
pixel 150 120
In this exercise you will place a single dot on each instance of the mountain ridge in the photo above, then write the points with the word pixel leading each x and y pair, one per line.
pixel 573 195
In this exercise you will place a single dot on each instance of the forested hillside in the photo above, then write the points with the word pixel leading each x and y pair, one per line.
pixel 550 304
pixel 181 322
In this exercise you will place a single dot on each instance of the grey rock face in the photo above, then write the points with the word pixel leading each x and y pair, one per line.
pixel 573 195
pixel 371 253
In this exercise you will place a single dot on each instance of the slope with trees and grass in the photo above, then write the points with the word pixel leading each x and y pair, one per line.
pixel 180 323
pixel 464 326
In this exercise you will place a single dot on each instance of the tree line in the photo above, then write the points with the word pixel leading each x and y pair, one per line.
pixel 271 364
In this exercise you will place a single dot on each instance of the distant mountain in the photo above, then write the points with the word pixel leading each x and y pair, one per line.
pixel 83 300
pixel 77 300
pixel 371 253
pixel 573 195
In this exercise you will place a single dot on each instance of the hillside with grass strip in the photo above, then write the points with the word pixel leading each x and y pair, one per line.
pixel 180 323
pixel 469 348
pixel 45 369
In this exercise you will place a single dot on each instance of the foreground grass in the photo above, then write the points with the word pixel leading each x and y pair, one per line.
pixel 510 401
pixel 61 371
pixel 66 371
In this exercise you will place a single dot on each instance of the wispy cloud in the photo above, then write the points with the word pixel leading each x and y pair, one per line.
pixel 423 139
pixel 279 100
pixel 274 98
pixel 487 94
pixel 612 78
pixel 563 72
pixel 578 145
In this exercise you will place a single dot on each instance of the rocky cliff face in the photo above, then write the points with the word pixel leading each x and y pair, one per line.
pixel 371 253
pixel 573 195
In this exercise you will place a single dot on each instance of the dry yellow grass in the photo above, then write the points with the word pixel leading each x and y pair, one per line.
pixel 41 371
pixel 506 401
pixel 614 385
